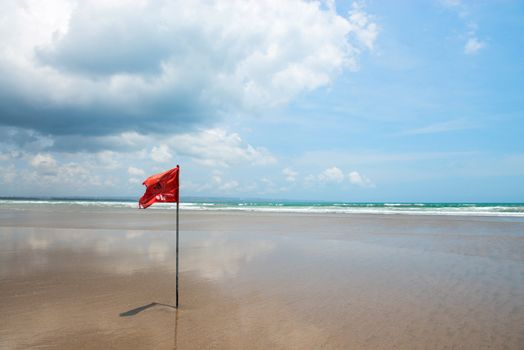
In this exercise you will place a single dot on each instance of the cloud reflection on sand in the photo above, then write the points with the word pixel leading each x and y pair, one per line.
pixel 38 242
pixel 125 252
pixel 221 256
pixel 113 251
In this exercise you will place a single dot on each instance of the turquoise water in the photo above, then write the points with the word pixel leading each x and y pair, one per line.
pixel 475 209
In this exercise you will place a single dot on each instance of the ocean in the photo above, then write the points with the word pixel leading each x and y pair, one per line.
pixel 464 209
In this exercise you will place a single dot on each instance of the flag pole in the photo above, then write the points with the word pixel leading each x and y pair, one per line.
pixel 177 203
pixel 177 255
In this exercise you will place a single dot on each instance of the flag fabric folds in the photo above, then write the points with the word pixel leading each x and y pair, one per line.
pixel 161 187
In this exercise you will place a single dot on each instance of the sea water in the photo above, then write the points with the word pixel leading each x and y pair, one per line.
pixel 191 203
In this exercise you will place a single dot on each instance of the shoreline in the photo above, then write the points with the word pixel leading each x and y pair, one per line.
pixel 437 209
pixel 228 211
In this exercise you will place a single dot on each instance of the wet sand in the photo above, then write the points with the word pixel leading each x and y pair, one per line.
pixel 87 278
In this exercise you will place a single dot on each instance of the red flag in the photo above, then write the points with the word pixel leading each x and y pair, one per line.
pixel 161 187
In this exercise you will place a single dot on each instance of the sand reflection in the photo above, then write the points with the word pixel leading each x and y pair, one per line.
pixel 222 256
pixel 258 282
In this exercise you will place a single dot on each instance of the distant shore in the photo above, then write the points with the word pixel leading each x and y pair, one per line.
pixel 83 277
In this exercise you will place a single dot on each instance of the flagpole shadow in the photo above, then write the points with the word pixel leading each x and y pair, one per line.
pixel 139 309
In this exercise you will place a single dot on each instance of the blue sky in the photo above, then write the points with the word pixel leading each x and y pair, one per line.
pixel 368 101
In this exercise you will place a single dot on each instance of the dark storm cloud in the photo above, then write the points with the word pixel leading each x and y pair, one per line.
pixel 161 117
pixel 13 138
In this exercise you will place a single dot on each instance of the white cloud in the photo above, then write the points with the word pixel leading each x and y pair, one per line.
pixel 8 174
pixel 268 183
pixel 107 159
pixel 135 171
pixel 161 154
pixel 450 125
pixel 134 180
pixel 144 64
pixel 105 69
pixel 44 162
pixel 360 180
pixel 289 174
pixel 362 25
pixel 189 185
pixel 332 174
pixel 217 147
pixel 473 45
pixel 216 178
pixel 70 175
pixel 268 186
pixel 451 3
pixel 215 185
pixel 230 185
pixel 212 147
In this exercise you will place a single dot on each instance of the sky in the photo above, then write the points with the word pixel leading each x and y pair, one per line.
pixel 307 100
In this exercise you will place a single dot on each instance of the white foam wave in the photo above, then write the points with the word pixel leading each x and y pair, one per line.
pixel 365 208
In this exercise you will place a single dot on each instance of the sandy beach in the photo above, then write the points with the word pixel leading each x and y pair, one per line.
pixel 76 277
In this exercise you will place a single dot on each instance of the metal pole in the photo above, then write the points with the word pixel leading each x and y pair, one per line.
pixel 176 255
